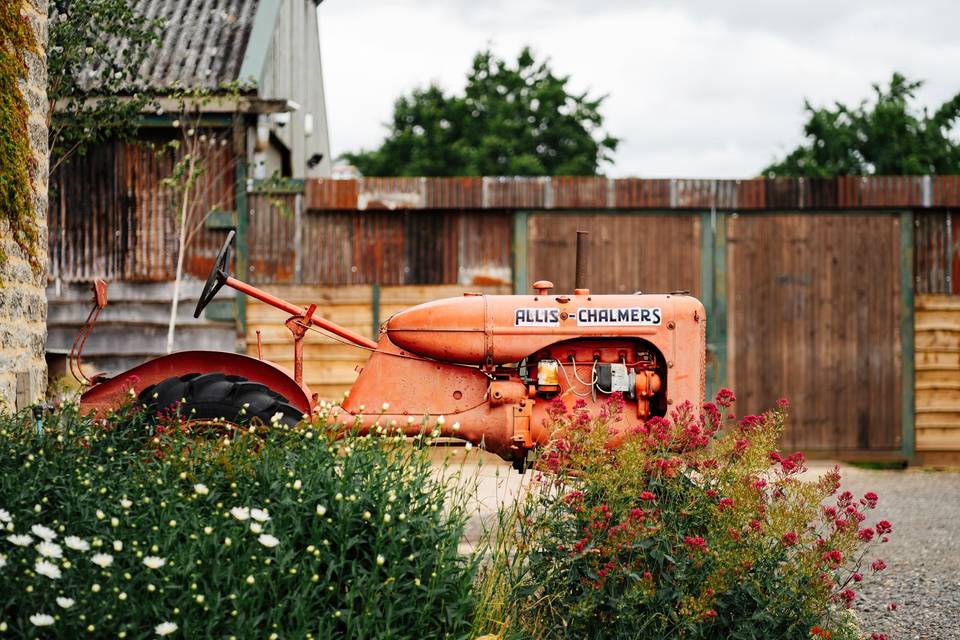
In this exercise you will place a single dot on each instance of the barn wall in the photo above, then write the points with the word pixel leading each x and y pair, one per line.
pixel 814 317
pixel 111 217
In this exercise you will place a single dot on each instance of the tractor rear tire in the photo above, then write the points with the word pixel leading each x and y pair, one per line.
pixel 214 396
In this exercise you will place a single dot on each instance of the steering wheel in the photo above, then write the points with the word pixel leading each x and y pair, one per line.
pixel 217 277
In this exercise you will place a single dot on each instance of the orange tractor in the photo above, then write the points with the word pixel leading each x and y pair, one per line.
pixel 489 364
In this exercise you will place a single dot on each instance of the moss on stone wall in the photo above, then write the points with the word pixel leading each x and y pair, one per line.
pixel 17 164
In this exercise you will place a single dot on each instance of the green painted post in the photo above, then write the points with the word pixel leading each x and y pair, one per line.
pixel 720 299
pixel 707 294
pixel 520 239
pixel 907 365
pixel 243 213
pixel 713 294
pixel 375 309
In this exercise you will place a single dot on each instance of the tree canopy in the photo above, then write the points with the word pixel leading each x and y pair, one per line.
pixel 884 136
pixel 512 119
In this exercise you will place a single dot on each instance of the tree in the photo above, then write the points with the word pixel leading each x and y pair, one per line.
pixel 94 54
pixel 511 120
pixel 884 137
pixel 198 170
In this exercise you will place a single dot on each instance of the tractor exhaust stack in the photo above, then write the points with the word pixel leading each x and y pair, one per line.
pixel 581 275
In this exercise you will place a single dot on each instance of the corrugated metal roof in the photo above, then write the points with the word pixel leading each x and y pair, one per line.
pixel 202 44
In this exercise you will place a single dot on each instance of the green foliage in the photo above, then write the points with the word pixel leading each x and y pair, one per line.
pixel 885 137
pixel 289 532
pixel 691 528
pixel 16 160
pixel 512 120
pixel 94 87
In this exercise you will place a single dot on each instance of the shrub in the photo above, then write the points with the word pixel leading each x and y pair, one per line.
pixel 292 534
pixel 693 527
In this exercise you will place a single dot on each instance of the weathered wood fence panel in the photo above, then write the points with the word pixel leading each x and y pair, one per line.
pixel 628 251
pixel 937 324
pixel 289 243
pixel 329 365
pixel 814 317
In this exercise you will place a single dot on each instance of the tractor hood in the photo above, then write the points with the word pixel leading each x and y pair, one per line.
pixel 482 329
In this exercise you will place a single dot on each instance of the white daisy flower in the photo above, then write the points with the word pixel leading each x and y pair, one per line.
pixel 48 569
pixel 321 510
pixel 255 527
pixel 126 504
pixel 385 406
pixel 102 559
pixel 21 540
pixel 441 420
pixel 260 515
pixel 154 562
pixel 276 418
pixel 240 513
pixel 43 532
pixel 77 544
pixel 66 603
pixel 268 540
pixel 41 620
pixel 380 560
pixel 468 446
pixel 3 561
pixel 297 485
pixel 49 549
pixel 118 545
pixel 4 515
pixel 200 489
pixel 165 628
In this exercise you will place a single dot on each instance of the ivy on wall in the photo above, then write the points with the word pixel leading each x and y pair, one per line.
pixel 17 164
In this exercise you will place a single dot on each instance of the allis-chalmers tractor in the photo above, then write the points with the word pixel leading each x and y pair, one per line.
pixel 492 363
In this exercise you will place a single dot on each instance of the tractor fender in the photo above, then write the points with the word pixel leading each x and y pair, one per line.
pixel 116 390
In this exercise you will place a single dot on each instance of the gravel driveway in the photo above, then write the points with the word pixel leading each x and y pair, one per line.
pixel 923 555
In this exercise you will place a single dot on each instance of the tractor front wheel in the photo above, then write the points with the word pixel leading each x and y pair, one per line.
pixel 218 396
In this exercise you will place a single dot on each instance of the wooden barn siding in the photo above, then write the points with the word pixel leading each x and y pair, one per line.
pixel 937 325
pixel 330 366
pixel 133 327
pixel 110 216
pixel 936 258
pixel 814 317
pixel 292 244
pixel 628 252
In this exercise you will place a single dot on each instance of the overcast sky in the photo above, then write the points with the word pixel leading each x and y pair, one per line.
pixel 697 88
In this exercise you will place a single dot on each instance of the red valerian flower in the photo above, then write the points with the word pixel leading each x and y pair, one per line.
pixel 878 636
pixel 884 527
pixel 833 558
pixel 878 565
pixel 725 503
pixel 783 403
pixel 844 499
pixel 790 538
pixel 725 398
pixel 848 596
pixel 646 495
pixel 865 534
pixel 858 577
pixel 870 499
pixel 892 606
pixel 695 543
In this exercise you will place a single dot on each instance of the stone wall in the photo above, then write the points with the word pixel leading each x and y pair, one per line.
pixel 23 302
